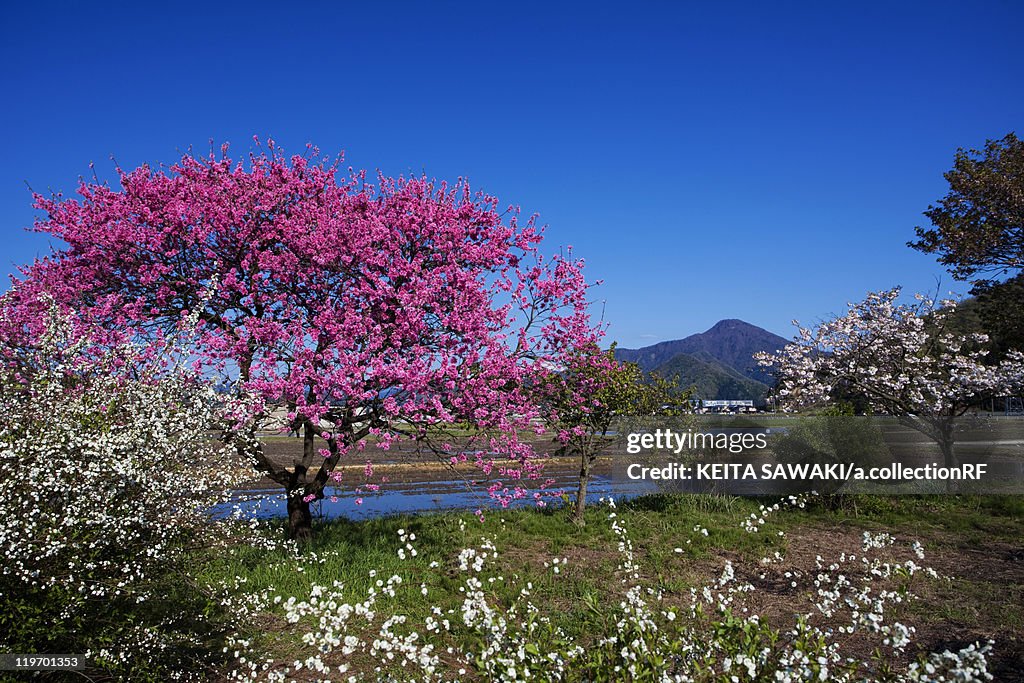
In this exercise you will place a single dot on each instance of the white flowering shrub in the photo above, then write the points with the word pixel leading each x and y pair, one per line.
pixel 107 471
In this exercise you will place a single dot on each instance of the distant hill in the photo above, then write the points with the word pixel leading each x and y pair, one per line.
pixel 711 378
pixel 732 343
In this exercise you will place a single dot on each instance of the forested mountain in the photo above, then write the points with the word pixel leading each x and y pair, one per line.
pixel 710 378
pixel 732 343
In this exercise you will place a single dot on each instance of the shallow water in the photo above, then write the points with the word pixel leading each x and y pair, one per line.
pixel 419 497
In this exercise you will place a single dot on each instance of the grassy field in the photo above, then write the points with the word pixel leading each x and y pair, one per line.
pixel 677 543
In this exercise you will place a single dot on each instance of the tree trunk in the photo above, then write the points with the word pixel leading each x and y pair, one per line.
pixel 300 519
pixel 946 447
pixel 581 492
pixel 946 442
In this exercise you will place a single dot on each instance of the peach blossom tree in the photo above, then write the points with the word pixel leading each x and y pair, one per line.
pixel 593 396
pixel 356 308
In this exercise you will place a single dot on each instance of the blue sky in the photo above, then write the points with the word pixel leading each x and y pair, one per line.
pixel 763 161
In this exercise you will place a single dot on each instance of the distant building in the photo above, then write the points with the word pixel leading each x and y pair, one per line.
pixel 723 406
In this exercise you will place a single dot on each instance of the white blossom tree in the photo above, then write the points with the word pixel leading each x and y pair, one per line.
pixel 902 359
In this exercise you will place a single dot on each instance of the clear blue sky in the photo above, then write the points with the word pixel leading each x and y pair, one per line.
pixel 763 161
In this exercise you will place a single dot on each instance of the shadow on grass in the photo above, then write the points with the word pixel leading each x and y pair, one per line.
pixel 178 629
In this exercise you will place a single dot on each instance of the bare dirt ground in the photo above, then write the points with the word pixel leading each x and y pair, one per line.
pixel 406 464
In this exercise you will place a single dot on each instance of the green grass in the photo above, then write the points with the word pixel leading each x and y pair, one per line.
pixel 969 518
pixel 348 551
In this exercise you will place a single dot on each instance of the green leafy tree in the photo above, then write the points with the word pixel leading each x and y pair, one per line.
pixel 583 400
pixel 1000 307
pixel 978 227
pixel 978 234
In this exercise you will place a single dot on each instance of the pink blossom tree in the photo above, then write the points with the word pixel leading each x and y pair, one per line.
pixel 901 358
pixel 592 395
pixel 360 309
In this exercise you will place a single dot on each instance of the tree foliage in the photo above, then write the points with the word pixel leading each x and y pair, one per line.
pixel 1000 310
pixel 978 227
pixel 358 309
pixel 583 400
pixel 901 359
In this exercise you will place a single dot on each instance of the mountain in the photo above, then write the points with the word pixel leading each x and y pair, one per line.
pixel 730 342
pixel 711 378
